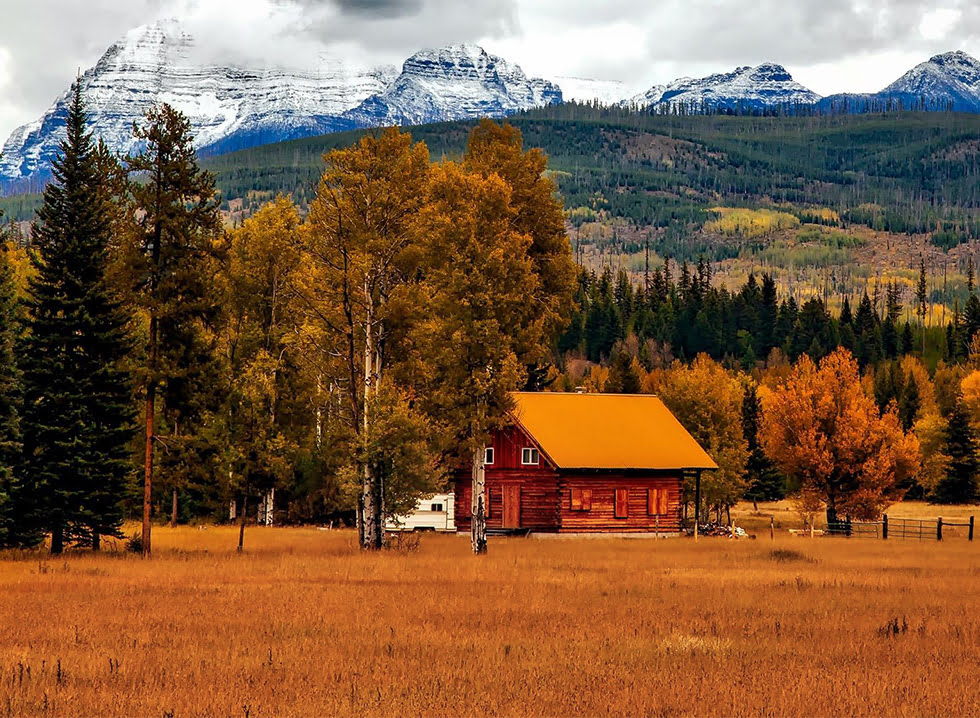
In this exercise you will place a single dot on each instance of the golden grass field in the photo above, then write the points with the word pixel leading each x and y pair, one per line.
pixel 303 624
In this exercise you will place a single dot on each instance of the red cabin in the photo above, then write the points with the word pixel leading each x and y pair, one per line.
pixel 585 463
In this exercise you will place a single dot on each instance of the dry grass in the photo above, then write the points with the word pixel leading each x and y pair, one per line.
pixel 301 624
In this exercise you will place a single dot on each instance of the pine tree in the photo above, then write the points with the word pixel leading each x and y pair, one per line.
pixel 623 378
pixel 845 324
pixel 921 297
pixel 10 395
pixel 909 403
pixel 907 344
pixel 971 321
pixel 170 274
pixel 960 484
pixel 77 420
pixel 765 483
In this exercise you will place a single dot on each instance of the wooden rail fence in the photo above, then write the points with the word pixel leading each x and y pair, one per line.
pixel 899 527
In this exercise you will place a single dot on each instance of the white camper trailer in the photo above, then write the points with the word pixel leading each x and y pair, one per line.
pixel 432 513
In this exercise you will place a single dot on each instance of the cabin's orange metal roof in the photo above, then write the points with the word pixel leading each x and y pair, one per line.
pixel 608 431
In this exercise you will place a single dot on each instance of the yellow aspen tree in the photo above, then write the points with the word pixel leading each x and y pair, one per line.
pixel 822 428
pixel 357 250
pixel 475 314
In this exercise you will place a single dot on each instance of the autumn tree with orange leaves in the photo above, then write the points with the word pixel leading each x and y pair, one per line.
pixel 821 428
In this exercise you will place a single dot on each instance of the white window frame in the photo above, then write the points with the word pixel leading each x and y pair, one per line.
pixel 488 456
pixel 530 451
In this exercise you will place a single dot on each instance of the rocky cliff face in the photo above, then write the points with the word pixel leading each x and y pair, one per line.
pixel 454 83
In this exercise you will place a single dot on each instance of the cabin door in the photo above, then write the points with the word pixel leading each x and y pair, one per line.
pixel 511 514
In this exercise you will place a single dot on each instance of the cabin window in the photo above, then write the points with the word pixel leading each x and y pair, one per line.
pixel 581 500
pixel 657 502
pixel 436 507
pixel 488 455
pixel 622 503
pixel 529 456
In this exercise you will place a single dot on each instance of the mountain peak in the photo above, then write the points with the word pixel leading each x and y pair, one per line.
pixel 954 57
pixel 761 86
pixel 949 77
pixel 455 82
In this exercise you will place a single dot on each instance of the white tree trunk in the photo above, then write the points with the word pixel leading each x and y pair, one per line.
pixel 318 414
pixel 372 535
pixel 478 511
pixel 267 508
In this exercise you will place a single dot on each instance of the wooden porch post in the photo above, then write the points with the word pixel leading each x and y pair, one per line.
pixel 697 502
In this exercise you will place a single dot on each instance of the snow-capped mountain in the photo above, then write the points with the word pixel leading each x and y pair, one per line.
pixel 953 77
pixel 751 87
pixel 231 107
pixel 453 83
pixel 228 107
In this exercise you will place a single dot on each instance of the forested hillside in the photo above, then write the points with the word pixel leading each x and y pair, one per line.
pixel 829 205
pixel 919 169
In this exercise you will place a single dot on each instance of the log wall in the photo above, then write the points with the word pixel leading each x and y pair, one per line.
pixel 601 516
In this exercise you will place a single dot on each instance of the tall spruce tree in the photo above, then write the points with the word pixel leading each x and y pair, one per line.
pixel 77 419
pixel 171 276
pixel 765 483
pixel 10 395
pixel 959 486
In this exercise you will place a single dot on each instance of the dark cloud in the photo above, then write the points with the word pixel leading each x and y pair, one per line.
pixel 381 8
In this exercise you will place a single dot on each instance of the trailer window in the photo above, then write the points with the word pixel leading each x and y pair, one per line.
pixel 529 456
pixel 436 507
pixel 581 500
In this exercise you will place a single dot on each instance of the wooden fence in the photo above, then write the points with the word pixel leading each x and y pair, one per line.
pixel 896 527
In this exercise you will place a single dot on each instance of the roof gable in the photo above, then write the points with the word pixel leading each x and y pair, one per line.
pixel 608 431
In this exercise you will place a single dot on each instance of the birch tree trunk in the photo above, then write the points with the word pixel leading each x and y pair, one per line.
pixel 478 524
pixel 371 537
pixel 270 506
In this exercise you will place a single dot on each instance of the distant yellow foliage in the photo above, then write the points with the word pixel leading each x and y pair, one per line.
pixel 824 213
pixel 750 223
pixel 582 213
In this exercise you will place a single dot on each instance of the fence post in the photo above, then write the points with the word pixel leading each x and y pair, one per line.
pixel 970 534
pixel 939 529
pixel 884 526
pixel 772 528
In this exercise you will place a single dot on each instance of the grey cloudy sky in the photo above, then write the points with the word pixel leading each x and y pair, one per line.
pixel 828 45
